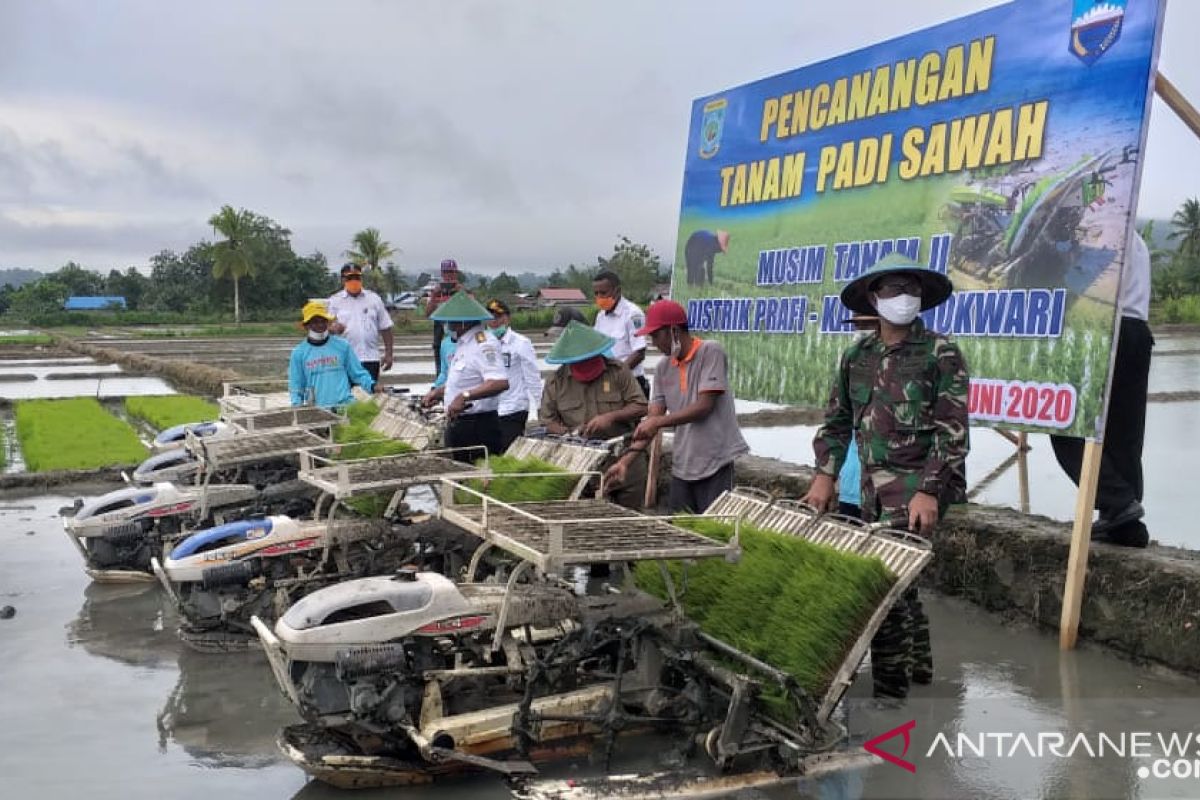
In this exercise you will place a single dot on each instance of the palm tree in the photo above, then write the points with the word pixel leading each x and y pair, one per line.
pixel 1186 222
pixel 370 249
pixel 231 258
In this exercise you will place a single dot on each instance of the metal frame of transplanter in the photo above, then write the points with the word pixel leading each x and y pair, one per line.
pixel 239 397
pixel 550 536
pixel 572 454
pixel 314 418
pixel 342 479
pixel 245 449
pixel 402 419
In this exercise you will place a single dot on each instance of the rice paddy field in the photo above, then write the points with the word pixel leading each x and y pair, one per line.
pixel 167 411
pixel 826 596
pixel 76 433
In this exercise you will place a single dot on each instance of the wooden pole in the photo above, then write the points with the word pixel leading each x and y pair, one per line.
pixel 1012 437
pixel 651 499
pixel 1023 471
pixel 1081 537
pixel 1177 102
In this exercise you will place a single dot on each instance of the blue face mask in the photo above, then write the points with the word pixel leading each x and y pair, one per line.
pixel 500 330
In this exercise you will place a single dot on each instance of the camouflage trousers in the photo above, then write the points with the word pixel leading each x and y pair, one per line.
pixel 900 651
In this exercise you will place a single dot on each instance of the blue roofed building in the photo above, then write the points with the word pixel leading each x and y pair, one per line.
pixel 83 303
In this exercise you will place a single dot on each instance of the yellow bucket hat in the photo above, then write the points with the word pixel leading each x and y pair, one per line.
pixel 315 308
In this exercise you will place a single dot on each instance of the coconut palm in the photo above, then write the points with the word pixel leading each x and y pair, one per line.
pixel 1186 222
pixel 231 258
pixel 370 249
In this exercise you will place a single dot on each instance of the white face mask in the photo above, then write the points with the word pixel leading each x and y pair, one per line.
pixel 317 338
pixel 676 347
pixel 899 310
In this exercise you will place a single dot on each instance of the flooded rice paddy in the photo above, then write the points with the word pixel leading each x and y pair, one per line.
pixel 101 700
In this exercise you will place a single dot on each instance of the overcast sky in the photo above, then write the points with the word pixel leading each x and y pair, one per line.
pixel 519 134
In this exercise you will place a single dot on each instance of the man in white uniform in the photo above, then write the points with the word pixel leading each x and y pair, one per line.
pixel 524 377
pixel 362 320
pixel 621 319
pixel 477 379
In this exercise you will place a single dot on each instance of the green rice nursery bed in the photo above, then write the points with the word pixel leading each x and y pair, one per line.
pixel 796 605
pixel 166 411
pixel 76 433
pixel 365 443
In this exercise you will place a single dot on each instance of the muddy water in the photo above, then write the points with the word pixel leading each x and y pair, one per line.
pixel 27 379
pixel 100 700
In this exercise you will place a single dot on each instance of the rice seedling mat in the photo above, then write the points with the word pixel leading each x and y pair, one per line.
pixel 342 479
pixel 553 534
pixel 902 553
pixel 251 448
pixel 573 456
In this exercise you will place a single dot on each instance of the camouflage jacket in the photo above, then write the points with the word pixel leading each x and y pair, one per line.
pixel 907 405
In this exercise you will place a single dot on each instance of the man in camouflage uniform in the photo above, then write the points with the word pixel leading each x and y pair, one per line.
pixel 902 394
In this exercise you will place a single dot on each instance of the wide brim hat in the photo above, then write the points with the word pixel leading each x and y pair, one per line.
pixel 935 287
pixel 315 308
pixel 461 307
pixel 579 343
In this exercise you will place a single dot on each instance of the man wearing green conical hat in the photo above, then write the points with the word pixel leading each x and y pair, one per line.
pixel 595 396
pixel 475 379
pixel 901 393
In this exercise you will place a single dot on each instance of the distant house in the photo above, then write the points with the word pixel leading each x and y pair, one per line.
pixel 94 303
pixel 548 298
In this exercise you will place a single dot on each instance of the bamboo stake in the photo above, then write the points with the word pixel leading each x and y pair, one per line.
pixel 1023 471
pixel 651 498
pixel 1081 537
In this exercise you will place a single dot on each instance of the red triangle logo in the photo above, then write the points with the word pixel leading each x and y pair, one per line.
pixel 904 730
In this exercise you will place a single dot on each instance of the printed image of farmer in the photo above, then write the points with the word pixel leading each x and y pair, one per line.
pixel 698 254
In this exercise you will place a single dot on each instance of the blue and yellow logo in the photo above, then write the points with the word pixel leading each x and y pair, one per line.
pixel 711 127
pixel 1095 27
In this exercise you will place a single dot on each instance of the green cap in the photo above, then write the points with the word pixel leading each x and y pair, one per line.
pixel 935 287
pixel 579 343
pixel 460 308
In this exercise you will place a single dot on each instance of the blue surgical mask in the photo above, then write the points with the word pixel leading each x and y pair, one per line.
pixel 500 330
pixel 454 336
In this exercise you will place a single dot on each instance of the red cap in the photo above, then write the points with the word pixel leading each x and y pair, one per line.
pixel 663 314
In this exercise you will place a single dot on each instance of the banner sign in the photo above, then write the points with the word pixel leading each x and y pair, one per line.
pixel 1002 148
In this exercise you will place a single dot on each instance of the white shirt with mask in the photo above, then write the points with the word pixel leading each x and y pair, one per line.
pixel 476 360
pixel 622 324
pixel 364 316
pixel 524 378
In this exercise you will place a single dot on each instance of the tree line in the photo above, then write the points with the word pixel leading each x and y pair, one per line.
pixel 251 268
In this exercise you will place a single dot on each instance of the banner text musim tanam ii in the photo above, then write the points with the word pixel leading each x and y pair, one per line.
pixel 1003 149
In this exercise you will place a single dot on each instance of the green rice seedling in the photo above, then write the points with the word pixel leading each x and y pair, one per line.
pixel 364 442
pixel 508 487
pixel 166 411
pixel 76 433
pixel 796 605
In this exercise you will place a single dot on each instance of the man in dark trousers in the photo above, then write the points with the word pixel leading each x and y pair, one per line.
pixel 698 254
pixel 1119 492
pixel 901 394
pixel 449 284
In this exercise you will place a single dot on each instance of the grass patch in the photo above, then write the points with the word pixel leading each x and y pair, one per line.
pixel 166 411
pixel 507 487
pixel 1176 310
pixel 74 434
pixel 796 605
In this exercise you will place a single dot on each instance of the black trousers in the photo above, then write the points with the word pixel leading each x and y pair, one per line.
pixel 472 430
pixel 1124 428
pixel 511 427
pixel 697 496
pixel 372 368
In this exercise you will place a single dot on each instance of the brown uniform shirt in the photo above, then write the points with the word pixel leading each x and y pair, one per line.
pixel 571 403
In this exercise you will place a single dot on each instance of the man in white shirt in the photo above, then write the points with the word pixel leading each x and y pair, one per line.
pixel 621 319
pixel 1119 492
pixel 362 320
pixel 524 377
